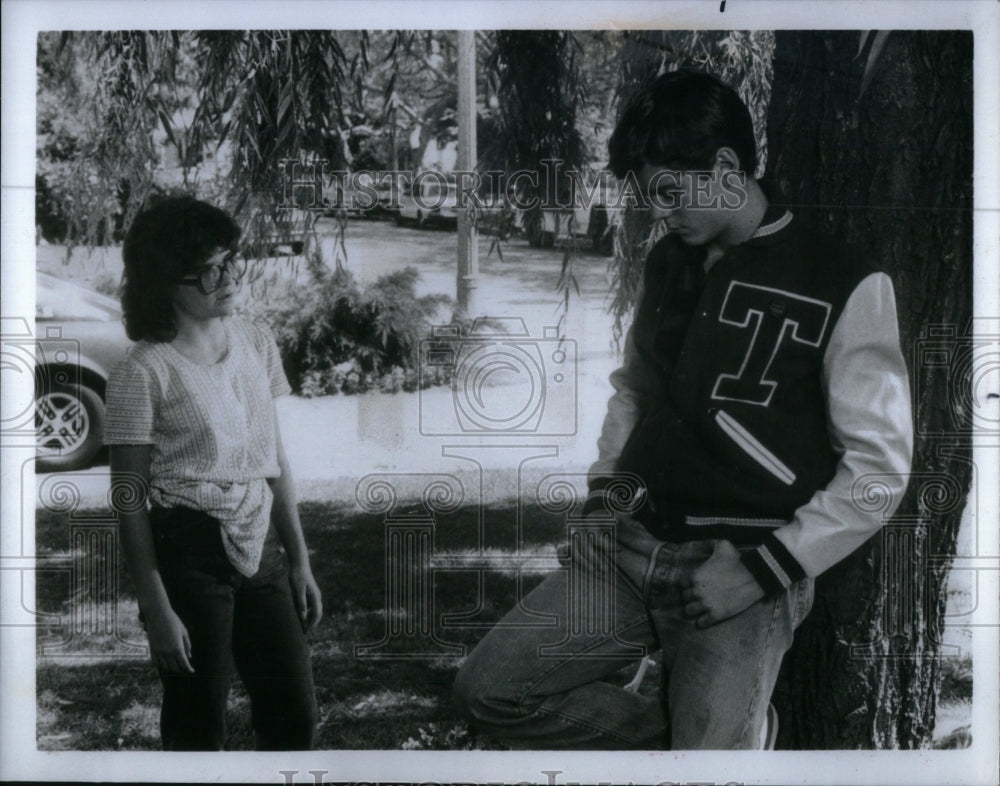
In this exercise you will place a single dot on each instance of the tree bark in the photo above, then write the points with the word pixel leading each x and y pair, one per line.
pixel 888 171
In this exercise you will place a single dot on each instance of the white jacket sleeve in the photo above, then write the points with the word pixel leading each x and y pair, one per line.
pixel 633 384
pixel 871 427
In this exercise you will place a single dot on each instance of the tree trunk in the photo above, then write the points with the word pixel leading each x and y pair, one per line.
pixel 890 172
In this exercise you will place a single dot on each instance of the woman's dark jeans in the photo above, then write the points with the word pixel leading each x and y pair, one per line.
pixel 231 619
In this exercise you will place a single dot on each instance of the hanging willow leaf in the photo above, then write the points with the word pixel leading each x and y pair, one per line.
pixel 877 44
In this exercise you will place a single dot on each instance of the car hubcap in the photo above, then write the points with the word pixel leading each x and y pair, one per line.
pixel 61 423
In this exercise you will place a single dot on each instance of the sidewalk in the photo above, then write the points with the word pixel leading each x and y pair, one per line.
pixel 335 441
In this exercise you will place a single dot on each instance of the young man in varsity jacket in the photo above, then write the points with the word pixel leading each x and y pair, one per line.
pixel 762 383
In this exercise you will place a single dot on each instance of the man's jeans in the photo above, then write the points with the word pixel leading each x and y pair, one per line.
pixel 228 617
pixel 717 680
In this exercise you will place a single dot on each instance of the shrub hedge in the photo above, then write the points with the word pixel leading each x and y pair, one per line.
pixel 339 337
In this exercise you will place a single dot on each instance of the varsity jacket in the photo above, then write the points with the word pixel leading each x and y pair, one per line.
pixel 756 401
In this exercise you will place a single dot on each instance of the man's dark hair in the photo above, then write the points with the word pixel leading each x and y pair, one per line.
pixel 169 239
pixel 679 121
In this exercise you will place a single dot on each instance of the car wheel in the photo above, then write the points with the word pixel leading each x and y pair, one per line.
pixel 69 427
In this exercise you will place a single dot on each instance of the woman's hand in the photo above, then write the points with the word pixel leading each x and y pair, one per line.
pixel 169 642
pixel 307 597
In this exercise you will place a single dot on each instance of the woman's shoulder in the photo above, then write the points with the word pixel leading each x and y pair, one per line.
pixel 143 355
pixel 154 358
pixel 252 330
pixel 145 361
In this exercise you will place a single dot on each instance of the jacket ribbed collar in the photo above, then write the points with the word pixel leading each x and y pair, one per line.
pixel 773 226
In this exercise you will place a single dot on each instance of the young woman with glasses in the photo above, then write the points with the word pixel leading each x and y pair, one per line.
pixel 213 542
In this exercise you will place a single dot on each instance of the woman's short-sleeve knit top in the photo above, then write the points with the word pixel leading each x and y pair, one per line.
pixel 211 428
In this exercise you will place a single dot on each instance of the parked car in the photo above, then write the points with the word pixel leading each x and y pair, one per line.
pixel 591 218
pixel 361 197
pixel 437 203
pixel 79 338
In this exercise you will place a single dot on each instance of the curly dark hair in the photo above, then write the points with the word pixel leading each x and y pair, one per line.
pixel 680 121
pixel 167 240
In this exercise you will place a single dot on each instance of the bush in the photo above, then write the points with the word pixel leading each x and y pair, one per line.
pixel 339 338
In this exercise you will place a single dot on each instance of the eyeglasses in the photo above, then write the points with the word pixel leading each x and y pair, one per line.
pixel 209 278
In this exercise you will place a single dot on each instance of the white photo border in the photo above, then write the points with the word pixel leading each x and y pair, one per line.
pixel 19 758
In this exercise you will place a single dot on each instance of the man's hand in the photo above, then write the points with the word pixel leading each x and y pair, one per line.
pixel 719 588
pixel 306 594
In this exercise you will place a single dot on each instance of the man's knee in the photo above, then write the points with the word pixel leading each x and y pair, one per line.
pixel 482 699
pixel 471 691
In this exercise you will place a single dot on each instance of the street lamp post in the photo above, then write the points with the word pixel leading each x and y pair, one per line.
pixel 467 283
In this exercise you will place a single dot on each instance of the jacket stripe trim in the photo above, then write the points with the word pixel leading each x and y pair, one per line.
pixel 760 569
pixel 771 564
pixel 704 521
pixel 784 558
pixel 752 447
pixel 774 226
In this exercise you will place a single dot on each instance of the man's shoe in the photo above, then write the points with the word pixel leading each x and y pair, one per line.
pixel 769 733
pixel 640 675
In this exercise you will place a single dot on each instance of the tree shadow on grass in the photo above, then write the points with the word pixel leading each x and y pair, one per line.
pixel 383 697
pixel 368 699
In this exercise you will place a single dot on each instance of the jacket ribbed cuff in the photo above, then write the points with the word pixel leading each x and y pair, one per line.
pixel 773 566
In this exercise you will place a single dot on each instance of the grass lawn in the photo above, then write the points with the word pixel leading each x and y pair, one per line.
pixel 95 694
pixel 98 693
